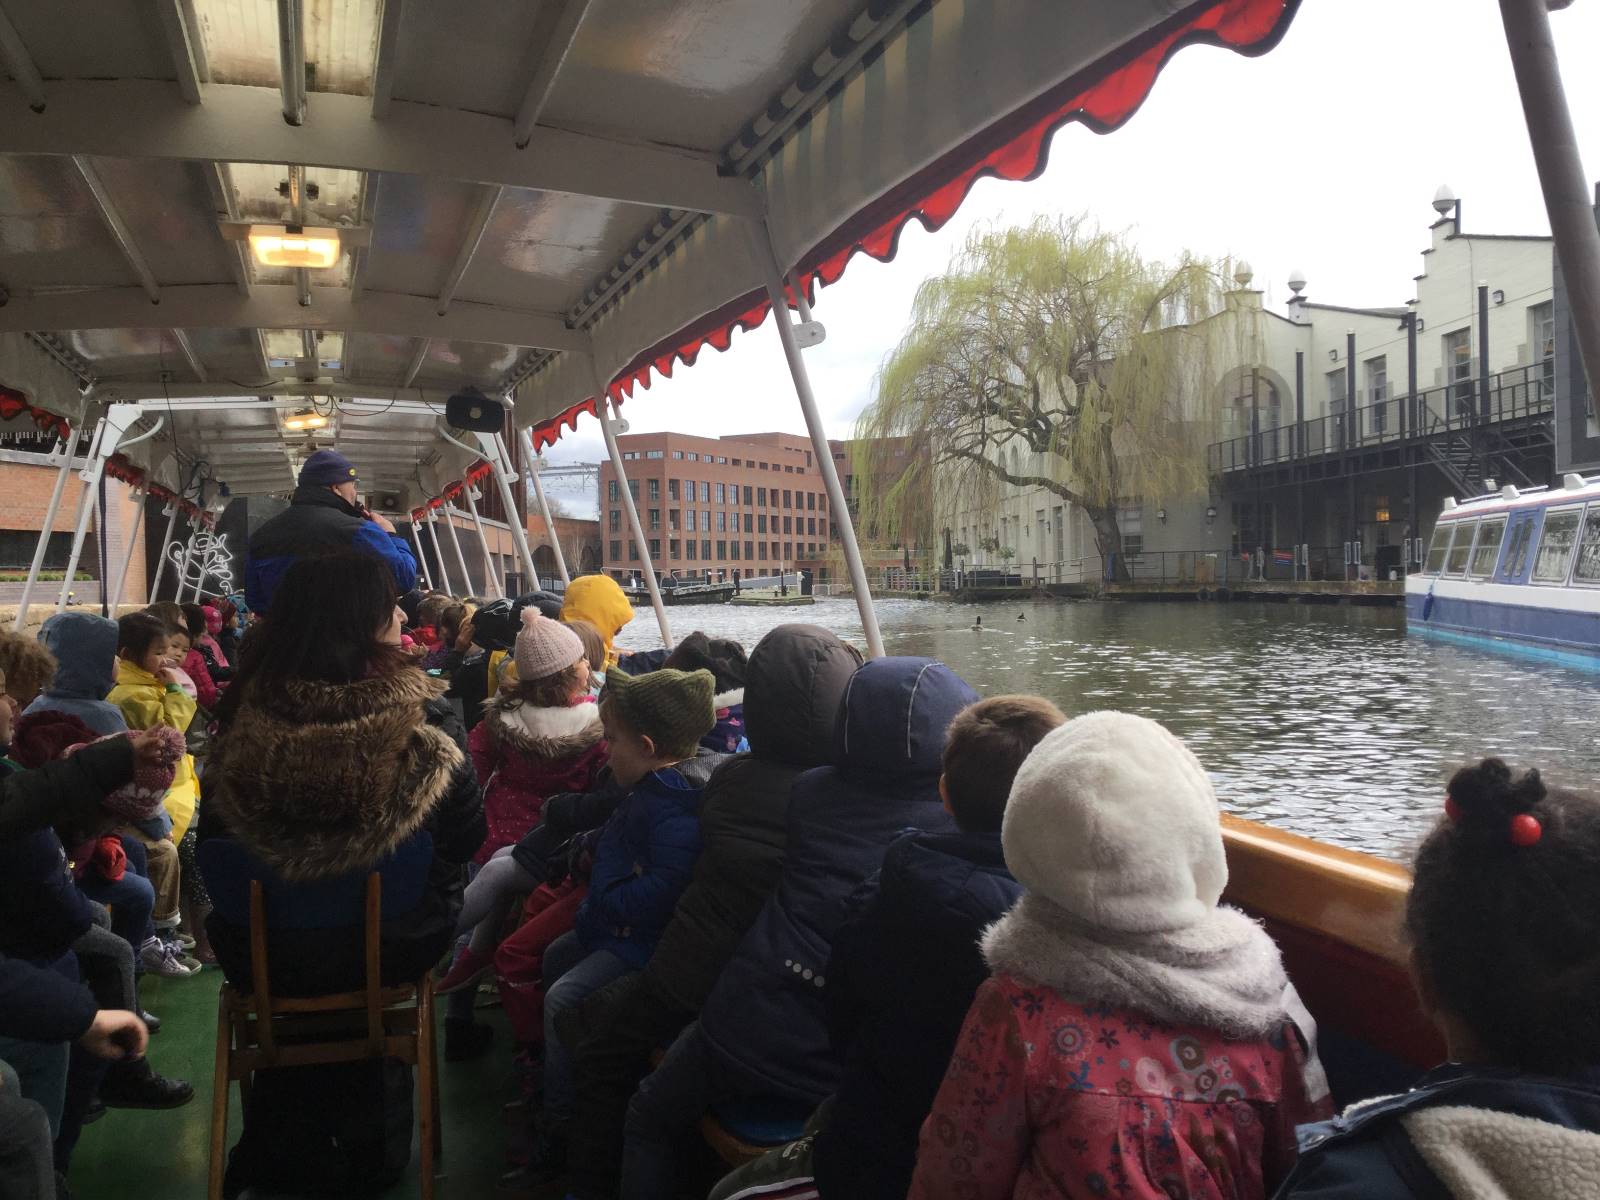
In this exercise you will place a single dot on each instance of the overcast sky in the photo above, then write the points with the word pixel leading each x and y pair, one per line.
pixel 1322 155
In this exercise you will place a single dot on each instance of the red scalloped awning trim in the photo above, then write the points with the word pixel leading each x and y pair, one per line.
pixel 13 404
pixel 119 467
pixel 1015 148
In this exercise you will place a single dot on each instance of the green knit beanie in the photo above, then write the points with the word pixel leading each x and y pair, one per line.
pixel 671 708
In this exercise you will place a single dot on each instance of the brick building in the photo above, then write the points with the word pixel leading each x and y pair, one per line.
pixel 750 505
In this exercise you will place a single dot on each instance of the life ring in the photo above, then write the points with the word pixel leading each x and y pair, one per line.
pixel 1203 594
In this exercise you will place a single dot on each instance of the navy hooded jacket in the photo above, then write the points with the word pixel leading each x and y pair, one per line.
pixel 319 522
pixel 904 970
pixel 85 649
pixel 40 1004
pixel 765 1015
pixel 42 912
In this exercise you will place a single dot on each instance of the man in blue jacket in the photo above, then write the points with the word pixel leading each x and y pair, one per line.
pixel 323 518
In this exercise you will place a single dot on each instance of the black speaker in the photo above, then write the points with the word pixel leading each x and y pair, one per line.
pixel 474 412
pixel 388 502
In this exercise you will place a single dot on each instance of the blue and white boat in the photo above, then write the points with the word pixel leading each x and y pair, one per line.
pixel 1519 570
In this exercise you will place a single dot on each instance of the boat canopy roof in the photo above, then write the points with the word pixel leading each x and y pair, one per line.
pixel 538 200
pixel 1574 489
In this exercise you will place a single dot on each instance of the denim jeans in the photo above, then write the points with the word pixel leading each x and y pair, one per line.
pixel 27 1171
pixel 571 975
pixel 41 1069
pixel 131 899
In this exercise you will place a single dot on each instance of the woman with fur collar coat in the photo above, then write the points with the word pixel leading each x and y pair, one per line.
pixel 333 751
pixel 1137 1038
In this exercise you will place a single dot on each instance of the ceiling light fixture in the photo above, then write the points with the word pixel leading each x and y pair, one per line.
pixel 314 249
pixel 305 419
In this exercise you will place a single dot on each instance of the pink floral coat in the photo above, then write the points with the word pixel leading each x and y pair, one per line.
pixel 1047 1098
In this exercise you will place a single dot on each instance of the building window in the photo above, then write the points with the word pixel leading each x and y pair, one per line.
pixel 654 488
pixel 788 498
pixel 788 551
pixel 761 522
pixel 1542 333
pixel 616 520
pixel 1458 368
pixel 691 547
pixel 705 549
pixel 1337 396
pixel 722 460
pixel 811 501
pixel 655 453
pixel 761 497
pixel 788 524
pixel 633 550
pixel 655 547
pixel 747 492
pixel 693 457
pixel 689 518
pixel 629 455
pixel 705 492
pixel 733 550
pixel 678 454
pixel 749 549
pixel 616 551
pixel 672 489
pixel 633 488
pixel 1130 520
pixel 612 492
pixel 763 466
pixel 789 467
pixel 1377 373
pixel 672 519
pixel 722 521
pixel 721 495
pixel 672 549
pixel 655 518
pixel 763 548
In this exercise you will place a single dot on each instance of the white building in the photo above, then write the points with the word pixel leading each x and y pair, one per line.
pixel 1322 447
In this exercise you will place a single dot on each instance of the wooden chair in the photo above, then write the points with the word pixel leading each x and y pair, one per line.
pixel 257 1031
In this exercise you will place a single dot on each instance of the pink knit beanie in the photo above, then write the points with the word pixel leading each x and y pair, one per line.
pixel 544 647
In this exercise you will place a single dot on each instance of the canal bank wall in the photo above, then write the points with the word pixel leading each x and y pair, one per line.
pixel 1385 593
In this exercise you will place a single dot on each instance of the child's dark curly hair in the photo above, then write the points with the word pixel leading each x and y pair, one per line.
pixel 1507 931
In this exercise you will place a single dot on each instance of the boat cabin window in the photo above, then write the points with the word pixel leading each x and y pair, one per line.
pixel 1587 568
pixel 1437 548
pixel 1486 550
pixel 1556 544
pixel 1521 542
pixel 1460 548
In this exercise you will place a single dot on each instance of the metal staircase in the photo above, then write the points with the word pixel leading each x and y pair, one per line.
pixel 1455 459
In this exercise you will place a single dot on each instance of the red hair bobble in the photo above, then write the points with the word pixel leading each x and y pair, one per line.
pixel 1525 830
pixel 1451 808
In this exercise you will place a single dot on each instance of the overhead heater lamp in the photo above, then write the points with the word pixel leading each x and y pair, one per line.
pixel 304 420
pixel 313 249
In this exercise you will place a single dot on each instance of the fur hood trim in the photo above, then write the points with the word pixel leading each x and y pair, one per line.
pixel 1223 973
pixel 320 779
pixel 551 733
pixel 1480 1154
pixel 724 700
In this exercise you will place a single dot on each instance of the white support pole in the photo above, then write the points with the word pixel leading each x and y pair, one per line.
pixel 108 433
pixel 438 555
pixel 161 552
pixel 183 565
pixel 422 559
pixel 49 525
pixel 605 407
pixel 127 559
pixel 455 540
pixel 491 576
pixel 200 567
pixel 532 460
pixel 493 448
pixel 772 272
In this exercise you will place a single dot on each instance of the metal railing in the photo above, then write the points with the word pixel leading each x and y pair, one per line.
pixel 1459 407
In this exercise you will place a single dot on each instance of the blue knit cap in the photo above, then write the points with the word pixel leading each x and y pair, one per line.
pixel 326 468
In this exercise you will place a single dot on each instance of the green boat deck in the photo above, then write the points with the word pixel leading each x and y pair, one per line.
pixel 163 1155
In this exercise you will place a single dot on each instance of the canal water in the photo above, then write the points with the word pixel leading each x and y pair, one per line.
pixel 1328 721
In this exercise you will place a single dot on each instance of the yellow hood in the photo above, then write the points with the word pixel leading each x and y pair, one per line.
pixel 599 600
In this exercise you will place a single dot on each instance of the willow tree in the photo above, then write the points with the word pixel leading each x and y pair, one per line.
pixel 1057 339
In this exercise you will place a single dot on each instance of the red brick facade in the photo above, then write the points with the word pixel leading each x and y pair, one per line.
pixel 748 504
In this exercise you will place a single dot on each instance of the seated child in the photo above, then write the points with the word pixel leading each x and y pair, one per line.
pixel 796 678
pixel 642 860
pixel 725 659
pixel 189 662
pixel 455 639
pixel 594 651
pixel 756 1038
pixel 600 600
pixel 1135 1036
pixel 905 967
pixel 1502 918
pixel 541 737
pixel 85 650
pixel 203 622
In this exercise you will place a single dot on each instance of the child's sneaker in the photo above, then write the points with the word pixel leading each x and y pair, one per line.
pixel 185 942
pixel 162 958
pixel 464 973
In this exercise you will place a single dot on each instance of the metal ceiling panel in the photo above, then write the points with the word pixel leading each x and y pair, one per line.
pixel 687 73
pixel 543 249
pixel 241 42
pixel 452 364
pixel 470 54
pixel 419 226
pixel 92 39
pixel 168 210
pixel 51 236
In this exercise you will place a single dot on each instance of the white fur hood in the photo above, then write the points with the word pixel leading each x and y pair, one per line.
pixel 724 700
pixel 546 732
pixel 1481 1154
